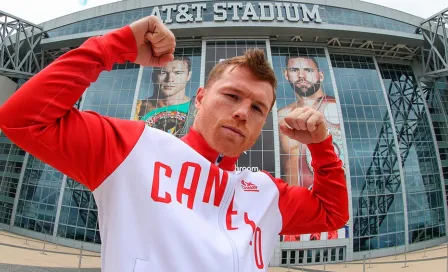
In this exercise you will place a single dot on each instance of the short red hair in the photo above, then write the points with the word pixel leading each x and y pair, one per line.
pixel 254 60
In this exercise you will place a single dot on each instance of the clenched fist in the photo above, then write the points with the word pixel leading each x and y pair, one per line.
pixel 155 42
pixel 305 125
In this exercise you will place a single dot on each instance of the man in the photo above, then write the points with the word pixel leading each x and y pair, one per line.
pixel 159 196
pixel 169 108
pixel 306 79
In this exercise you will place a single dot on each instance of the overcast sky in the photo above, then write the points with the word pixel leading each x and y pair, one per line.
pixel 38 11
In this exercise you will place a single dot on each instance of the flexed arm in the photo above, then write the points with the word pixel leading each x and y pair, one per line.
pixel 325 206
pixel 40 117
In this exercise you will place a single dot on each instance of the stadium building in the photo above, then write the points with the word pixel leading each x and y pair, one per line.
pixel 378 75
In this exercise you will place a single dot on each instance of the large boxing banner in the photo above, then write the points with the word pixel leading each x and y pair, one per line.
pixel 167 94
pixel 303 76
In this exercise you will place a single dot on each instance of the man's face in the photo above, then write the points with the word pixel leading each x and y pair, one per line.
pixel 233 110
pixel 172 78
pixel 304 76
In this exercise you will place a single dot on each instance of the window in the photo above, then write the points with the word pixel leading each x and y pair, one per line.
pixel 373 161
pixel 284 257
pixel 417 151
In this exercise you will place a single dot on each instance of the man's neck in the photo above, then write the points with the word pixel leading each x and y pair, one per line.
pixel 176 99
pixel 309 101
pixel 196 141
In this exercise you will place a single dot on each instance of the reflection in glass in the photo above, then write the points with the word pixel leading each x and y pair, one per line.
pixel 373 159
pixel 79 214
pixel 113 92
pixel 38 198
pixel 436 96
pixel 417 153
pixel 11 161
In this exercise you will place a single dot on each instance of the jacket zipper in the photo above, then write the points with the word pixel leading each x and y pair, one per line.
pixel 219 159
pixel 222 215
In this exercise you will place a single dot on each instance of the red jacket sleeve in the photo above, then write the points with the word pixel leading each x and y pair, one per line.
pixel 40 117
pixel 325 206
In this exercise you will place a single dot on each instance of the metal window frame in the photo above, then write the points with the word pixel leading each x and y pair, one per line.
pixel 59 206
pixel 347 164
pixel 202 72
pixel 274 119
pixel 136 91
pixel 360 253
pixel 397 147
pixel 436 147
pixel 19 189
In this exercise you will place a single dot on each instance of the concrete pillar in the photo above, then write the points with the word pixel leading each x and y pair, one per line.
pixel 7 88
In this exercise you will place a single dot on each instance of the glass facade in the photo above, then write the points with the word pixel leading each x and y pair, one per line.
pixel 436 96
pixel 438 108
pixel 38 199
pixel 424 195
pixel 113 93
pixel 340 16
pixel 291 11
pixel 79 214
pixel 11 161
pixel 374 169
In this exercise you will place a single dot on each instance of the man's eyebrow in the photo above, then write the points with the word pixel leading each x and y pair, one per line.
pixel 257 102
pixel 293 67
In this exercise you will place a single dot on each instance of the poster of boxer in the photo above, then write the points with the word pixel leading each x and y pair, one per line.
pixel 303 76
pixel 166 97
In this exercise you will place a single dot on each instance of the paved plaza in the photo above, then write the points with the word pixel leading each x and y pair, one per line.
pixel 18 254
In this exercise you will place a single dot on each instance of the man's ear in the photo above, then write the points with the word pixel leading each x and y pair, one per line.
pixel 285 74
pixel 189 76
pixel 321 76
pixel 199 97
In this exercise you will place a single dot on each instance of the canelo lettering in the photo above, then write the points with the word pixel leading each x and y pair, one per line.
pixel 214 183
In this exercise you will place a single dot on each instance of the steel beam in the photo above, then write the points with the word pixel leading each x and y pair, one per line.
pixel 435 46
pixel 19 47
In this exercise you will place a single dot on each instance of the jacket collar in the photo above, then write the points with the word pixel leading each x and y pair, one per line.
pixel 198 143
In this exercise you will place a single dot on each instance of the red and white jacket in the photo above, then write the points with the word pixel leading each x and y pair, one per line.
pixel 164 204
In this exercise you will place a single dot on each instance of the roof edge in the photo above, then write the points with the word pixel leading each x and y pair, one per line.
pixel 135 4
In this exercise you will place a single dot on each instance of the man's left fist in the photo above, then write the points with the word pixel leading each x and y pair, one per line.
pixel 155 42
pixel 305 125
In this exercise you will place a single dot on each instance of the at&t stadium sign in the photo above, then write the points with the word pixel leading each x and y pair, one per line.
pixel 237 11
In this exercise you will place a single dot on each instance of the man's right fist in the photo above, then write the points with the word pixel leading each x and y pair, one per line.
pixel 155 42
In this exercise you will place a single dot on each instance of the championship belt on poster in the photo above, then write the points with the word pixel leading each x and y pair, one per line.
pixel 170 119
pixel 337 143
pixel 331 117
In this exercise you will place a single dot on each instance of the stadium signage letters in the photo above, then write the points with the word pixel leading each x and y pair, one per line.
pixel 238 11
